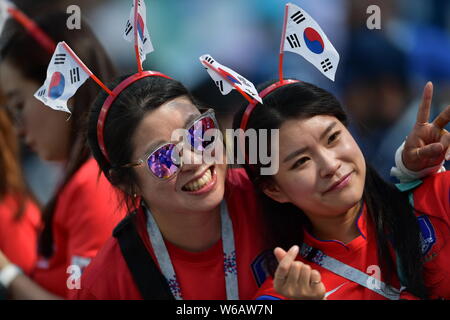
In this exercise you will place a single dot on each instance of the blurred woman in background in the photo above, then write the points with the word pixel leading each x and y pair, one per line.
pixel 19 215
pixel 83 211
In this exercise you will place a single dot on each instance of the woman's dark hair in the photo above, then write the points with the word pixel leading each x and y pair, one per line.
pixel 23 52
pixel 124 116
pixel 389 210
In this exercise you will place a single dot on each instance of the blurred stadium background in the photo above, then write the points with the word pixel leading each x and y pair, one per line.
pixel 379 80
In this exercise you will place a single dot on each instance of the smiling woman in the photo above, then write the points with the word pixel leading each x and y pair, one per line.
pixel 345 218
pixel 193 228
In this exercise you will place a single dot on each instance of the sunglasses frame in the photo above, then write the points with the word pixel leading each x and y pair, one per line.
pixel 205 114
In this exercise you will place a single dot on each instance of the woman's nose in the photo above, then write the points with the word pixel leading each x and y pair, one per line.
pixel 191 160
pixel 329 165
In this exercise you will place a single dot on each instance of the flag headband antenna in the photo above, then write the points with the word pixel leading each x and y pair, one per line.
pixel 283 37
pixel 33 29
pixel 110 100
pixel 86 69
pixel 224 75
pixel 136 40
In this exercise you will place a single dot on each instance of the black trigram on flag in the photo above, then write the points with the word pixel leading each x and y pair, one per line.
pixel 244 82
pixel 251 94
pixel 128 28
pixel 220 85
pixel 41 93
pixel 326 65
pixel 298 17
pixel 293 41
pixel 60 58
pixel 210 60
pixel 141 52
pixel 74 75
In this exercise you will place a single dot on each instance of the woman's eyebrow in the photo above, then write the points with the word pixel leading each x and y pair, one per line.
pixel 190 119
pixel 152 147
pixel 295 154
pixel 302 150
pixel 327 130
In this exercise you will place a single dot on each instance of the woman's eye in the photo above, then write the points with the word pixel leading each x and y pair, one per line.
pixel 300 162
pixel 334 136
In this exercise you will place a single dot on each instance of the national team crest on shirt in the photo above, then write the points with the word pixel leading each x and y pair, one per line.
pixel 260 266
pixel 427 234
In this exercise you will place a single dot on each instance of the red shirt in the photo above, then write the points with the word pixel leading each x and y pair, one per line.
pixel 431 198
pixel 200 275
pixel 18 237
pixel 85 215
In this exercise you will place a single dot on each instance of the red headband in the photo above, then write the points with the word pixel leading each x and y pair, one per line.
pixel 252 106
pixel 33 29
pixel 262 94
pixel 111 98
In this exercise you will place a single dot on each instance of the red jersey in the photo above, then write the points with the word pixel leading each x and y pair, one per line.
pixel 431 200
pixel 200 274
pixel 85 215
pixel 18 237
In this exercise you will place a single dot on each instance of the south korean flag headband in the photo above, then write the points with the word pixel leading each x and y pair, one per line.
pixel 66 72
pixel 301 35
pixel 9 10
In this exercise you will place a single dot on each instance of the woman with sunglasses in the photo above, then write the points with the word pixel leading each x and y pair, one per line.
pixel 193 227
pixel 355 236
pixel 84 209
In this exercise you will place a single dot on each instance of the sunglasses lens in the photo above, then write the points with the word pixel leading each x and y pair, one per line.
pixel 164 162
pixel 197 133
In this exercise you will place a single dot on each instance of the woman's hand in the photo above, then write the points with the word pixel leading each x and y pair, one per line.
pixel 429 143
pixel 296 280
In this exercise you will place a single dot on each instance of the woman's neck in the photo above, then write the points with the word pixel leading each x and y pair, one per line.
pixel 193 232
pixel 342 228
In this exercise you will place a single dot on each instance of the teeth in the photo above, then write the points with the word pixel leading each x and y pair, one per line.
pixel 199 183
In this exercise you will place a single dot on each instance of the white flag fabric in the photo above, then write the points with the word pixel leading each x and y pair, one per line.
pixel 305 37
pixel 144 43
pixel 4 14
pixel 65 74
pixel 225 78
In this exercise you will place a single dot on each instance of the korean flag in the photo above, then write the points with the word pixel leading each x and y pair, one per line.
pixel 65 74
pixel 304 36
pixel 142 36
pixel 227 79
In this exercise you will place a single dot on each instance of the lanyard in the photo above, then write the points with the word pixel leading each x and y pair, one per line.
pixel 229 252
pixel 348 272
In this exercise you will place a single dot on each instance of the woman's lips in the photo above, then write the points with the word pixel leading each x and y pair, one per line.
pixel 341 184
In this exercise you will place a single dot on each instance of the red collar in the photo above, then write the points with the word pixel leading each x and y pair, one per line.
pixel 336 246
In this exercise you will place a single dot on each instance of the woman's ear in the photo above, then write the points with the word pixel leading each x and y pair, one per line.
pixel 118 182
pixel 273 191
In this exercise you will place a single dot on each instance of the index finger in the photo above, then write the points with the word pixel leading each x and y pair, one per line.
pixel 423 114
pixel 285 263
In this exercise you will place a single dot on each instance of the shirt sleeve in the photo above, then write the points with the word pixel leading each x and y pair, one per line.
pixel 18 238
pixel 267 292
pixel 92 218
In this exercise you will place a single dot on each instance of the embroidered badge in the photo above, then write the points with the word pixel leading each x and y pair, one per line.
pixel 427 234
pixel 260 266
